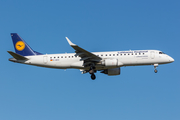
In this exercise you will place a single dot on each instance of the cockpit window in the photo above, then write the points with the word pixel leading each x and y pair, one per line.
pixel 161 53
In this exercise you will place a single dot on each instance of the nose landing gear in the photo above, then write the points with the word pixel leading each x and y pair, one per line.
pixel 155 66
pixel 155 71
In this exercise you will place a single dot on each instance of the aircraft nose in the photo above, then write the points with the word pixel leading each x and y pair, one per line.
pixel 171 59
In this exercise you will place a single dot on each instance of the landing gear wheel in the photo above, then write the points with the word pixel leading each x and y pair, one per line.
pixel 93 77
pixel 155 71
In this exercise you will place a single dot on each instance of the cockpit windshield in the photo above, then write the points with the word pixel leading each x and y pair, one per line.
pixel 161 53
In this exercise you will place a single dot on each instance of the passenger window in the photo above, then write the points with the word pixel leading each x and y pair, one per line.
pixel 128 54
pixel 139 53
pixel 124 54
pixel 101 55
pixel 113 54
pixel 117 54
pixel 61 56
pixel 132 53
pixel 135 53
pixel 109 54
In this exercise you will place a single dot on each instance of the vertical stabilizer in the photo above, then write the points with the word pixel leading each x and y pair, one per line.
pixel 21 47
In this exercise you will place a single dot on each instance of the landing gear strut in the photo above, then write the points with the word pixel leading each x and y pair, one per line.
pixel 92 71
pixel 155 66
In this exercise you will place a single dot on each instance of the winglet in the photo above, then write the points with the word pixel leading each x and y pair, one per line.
pixel 70 43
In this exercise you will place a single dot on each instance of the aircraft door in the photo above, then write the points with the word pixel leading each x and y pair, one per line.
pixel 152 54
pixel 45 59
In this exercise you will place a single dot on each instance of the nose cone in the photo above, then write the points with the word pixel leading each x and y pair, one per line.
pixel 171 59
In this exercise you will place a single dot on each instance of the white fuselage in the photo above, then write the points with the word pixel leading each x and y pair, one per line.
pixel 124 58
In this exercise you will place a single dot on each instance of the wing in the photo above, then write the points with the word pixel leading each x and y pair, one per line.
pixel 84 54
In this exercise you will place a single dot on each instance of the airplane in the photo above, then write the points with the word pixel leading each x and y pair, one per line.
pixel 87 62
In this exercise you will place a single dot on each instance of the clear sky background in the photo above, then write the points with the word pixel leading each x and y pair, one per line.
pixel 34 93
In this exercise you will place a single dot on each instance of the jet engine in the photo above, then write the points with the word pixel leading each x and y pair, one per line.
pixel 111 72
pixel 110 62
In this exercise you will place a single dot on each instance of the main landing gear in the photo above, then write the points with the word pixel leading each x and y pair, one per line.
pixel 92 71
pixel 155 66
pixel 93 77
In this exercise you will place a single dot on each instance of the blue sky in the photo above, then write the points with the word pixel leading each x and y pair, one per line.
pixel 29 92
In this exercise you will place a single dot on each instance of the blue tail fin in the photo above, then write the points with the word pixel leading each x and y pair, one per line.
pixel 21 47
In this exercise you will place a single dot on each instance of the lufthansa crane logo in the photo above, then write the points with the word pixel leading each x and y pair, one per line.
pixel 20 45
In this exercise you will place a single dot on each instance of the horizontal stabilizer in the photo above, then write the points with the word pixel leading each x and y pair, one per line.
pixel 17 56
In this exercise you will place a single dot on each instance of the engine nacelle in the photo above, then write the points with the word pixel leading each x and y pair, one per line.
pixel 111 72
pixel 110 62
